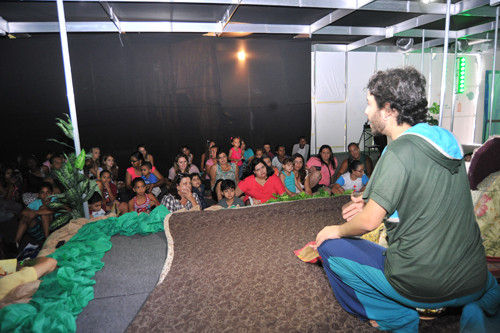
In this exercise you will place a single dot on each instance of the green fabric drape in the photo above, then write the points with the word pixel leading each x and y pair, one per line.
pixel 64 293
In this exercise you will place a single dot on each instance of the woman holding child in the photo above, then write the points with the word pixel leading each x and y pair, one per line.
pixel 262 185
pixel 136 159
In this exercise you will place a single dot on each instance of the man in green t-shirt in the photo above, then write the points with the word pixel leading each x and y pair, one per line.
pixel 419 189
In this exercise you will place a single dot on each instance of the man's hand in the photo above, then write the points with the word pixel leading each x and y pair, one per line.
pixel 354 207
pixel 330 232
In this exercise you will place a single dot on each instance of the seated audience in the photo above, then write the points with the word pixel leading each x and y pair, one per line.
pixel 10 184
pixel 223 170
pixel 267 160
pixel 180 195
pixel 302 147
pixel 135 171
pixel 182 165
pixel 354 179
pixel 142 202
pixel 280 157
pixel 322 169
pixel 211 161
pixel 36 218
pixel 147 157
pixel 95 204
pixel 34 174
pixel 356 155
pixel 258 153
pixel 206 155
pixel 267 150
pixel 56 163
pixel 108 163
pixel 186 151
pixel 301 174
pixel 261 185
pixel 150 179
pixel 110 194
pixel 229 199
pixel 92 165
pixel 287 177
pixel 199 189
pixel 248 156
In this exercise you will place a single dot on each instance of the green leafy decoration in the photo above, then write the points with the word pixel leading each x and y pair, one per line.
pixel 301 196
pixel 77 187
pixel 433 110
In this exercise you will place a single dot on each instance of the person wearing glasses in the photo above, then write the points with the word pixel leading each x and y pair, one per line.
pixel 355 179
pixel 136 159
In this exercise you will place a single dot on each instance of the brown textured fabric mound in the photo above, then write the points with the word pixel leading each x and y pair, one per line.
pixel 235 271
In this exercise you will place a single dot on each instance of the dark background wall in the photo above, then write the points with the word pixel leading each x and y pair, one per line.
pixel 164 90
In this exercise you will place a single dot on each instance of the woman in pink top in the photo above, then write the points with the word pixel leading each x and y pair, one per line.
pixel 262 185
pixel 322 169
pixel 134 171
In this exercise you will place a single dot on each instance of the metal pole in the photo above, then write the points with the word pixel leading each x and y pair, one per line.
pixel 346 78
pixel 69 84
pixel 492 94
pixel 453 102
pixel 445 61
pixel 423 53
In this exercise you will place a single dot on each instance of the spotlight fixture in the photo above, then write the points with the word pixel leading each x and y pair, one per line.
pixel 404 44
pixel 241 55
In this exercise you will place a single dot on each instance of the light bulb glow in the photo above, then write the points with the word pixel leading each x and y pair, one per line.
pixel 241 55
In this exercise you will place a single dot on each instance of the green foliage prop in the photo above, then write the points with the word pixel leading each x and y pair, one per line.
pixel 77 187
pixel 301 196
pixel 433 110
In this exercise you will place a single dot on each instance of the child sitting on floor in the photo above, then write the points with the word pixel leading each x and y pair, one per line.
pixel 198 188
pixel 229 199
pixel 149 178
pixel 355 179
pixel 288 177
pixel 95 206
pixel 36 218
pixel 142 202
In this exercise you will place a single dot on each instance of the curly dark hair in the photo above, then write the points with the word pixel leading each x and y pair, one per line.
pixel 404 89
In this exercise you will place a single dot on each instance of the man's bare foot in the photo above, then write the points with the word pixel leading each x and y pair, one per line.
pixel 374 324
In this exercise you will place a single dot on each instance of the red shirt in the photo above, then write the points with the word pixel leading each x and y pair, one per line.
pixel 253 189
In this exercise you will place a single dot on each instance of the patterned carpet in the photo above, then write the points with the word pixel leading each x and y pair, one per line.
pixel 235 271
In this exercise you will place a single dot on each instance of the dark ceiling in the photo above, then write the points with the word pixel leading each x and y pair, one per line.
pixel 348 24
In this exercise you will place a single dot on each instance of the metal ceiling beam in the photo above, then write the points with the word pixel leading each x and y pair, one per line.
pixel 406 7
pixel 4 29
pixel 334 4
pixel 350 30
pixel 424 32
pixel 109 11
pixel 328 19
pixel 476 30
pixel 391 30
pixel 166 26
pixel 228 13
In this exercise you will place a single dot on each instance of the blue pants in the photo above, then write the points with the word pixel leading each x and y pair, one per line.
pixel 355 269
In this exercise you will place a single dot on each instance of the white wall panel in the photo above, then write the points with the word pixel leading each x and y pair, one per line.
pixel 361 66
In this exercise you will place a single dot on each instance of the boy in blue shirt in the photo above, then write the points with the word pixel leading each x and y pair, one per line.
pixel 36 218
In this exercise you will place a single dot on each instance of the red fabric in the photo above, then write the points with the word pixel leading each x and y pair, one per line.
pixel 253 189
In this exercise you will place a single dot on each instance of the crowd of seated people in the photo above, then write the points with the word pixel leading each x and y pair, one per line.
pixel 237 177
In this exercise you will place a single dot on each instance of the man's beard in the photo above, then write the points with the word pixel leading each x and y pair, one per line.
pixel 376 124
